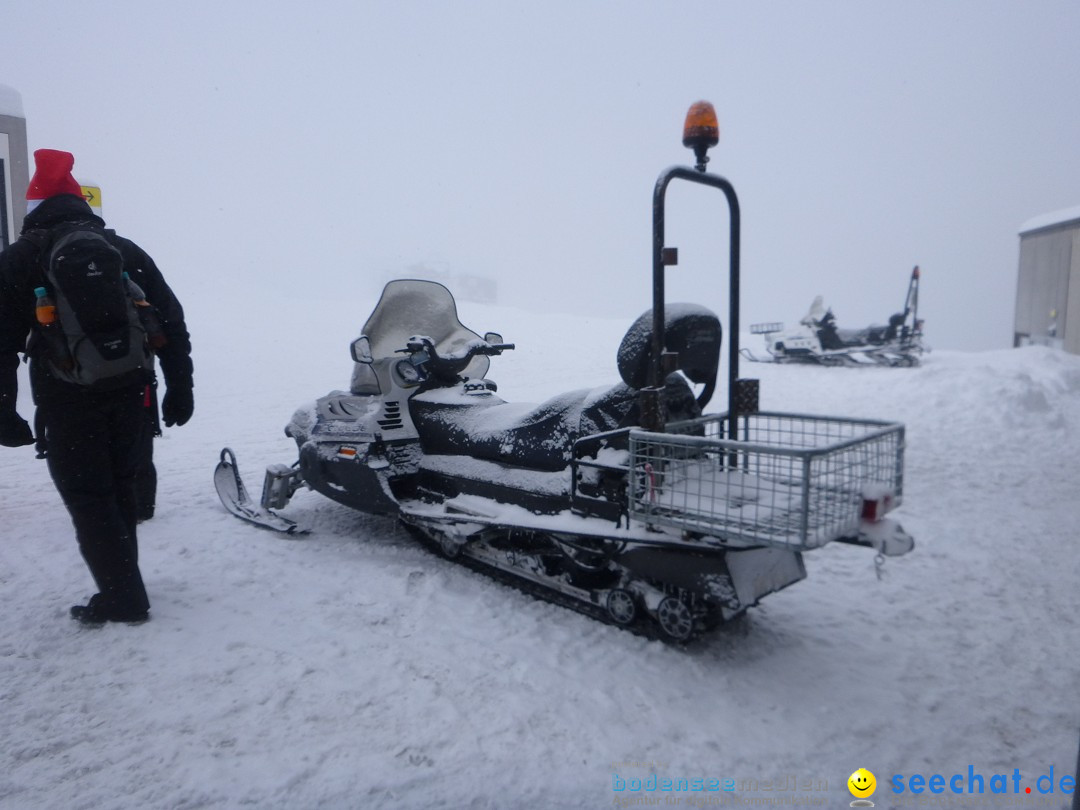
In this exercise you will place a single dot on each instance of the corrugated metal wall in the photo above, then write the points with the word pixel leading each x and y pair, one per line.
pixel 1048 288
pixel 1072 326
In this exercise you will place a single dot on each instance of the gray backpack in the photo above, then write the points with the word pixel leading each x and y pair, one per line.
pixel 97 339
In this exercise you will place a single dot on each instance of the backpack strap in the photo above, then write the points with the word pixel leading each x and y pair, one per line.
pixel 36 236
pixel 39 238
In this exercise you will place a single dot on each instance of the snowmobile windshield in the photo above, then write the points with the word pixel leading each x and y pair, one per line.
pixel 411 307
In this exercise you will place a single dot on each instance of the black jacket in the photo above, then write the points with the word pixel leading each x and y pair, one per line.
pixel 19 274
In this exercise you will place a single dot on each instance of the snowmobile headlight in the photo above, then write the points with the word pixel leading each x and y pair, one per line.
pixel 409 374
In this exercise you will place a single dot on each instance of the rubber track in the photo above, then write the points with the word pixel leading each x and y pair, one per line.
pixel 644 626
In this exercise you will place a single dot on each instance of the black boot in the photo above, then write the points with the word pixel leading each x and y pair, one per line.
pixel 97 611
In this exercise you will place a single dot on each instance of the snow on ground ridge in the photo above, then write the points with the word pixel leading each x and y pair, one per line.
pixel 353 668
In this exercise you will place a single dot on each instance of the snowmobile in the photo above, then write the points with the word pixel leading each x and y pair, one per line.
pixel 818 340
pixel 625 502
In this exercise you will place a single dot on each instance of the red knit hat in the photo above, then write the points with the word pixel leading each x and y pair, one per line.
pixel 52 176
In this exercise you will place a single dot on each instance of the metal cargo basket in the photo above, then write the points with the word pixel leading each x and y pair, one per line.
pixel 789 480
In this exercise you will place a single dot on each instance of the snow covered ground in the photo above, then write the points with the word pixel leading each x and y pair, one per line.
pixel 351 668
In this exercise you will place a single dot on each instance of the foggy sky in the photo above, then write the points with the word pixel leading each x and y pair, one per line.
pixel 341 143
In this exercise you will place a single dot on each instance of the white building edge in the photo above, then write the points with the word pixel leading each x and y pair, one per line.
pixel 14 176
pixel 1048 281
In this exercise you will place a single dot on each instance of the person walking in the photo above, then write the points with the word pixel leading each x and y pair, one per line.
pixel 89 386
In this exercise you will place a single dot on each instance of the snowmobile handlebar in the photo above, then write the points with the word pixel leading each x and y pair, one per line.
pixel 426 357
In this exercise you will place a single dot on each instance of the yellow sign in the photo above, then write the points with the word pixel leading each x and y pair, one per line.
pixel 92 194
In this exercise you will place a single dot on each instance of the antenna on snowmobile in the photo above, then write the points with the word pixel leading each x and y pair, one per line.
pixel 912 299
pixel 701 131
pixel 911 303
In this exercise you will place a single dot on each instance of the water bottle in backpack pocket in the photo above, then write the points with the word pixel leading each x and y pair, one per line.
pixel 49 332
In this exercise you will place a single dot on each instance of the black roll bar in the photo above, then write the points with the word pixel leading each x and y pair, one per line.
pixel 652 411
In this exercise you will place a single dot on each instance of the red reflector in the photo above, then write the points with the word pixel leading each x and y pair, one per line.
pixel 874 509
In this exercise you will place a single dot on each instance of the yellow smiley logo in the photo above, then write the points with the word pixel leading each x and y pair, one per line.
pixel 862 783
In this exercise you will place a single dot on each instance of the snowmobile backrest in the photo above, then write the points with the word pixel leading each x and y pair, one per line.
pixel 691 331
pixel 410 307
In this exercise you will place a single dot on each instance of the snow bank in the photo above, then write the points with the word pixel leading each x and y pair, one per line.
pixel 351 668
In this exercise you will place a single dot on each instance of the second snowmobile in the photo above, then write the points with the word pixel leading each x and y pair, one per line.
pixel 625 502
pixel 818 340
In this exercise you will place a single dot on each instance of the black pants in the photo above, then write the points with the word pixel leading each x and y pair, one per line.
pixel 93 457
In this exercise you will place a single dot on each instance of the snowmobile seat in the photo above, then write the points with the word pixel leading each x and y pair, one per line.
pixel 691 332
pixel 895 328
pixel 452 421
pixel 455 422
pixel 874 335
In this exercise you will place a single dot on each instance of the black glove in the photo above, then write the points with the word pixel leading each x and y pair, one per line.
pixel 177 405
pixel 14 432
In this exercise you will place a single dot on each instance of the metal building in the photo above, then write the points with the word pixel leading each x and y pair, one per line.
pixel 14 177
pixel 1048 287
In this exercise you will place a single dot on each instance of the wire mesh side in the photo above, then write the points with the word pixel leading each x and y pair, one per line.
pixel 789 480
pixel 778 430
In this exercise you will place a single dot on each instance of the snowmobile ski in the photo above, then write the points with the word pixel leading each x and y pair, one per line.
pixel 234 497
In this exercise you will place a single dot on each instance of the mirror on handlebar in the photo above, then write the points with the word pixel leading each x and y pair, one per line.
pixel 493 337
pixel 360 349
